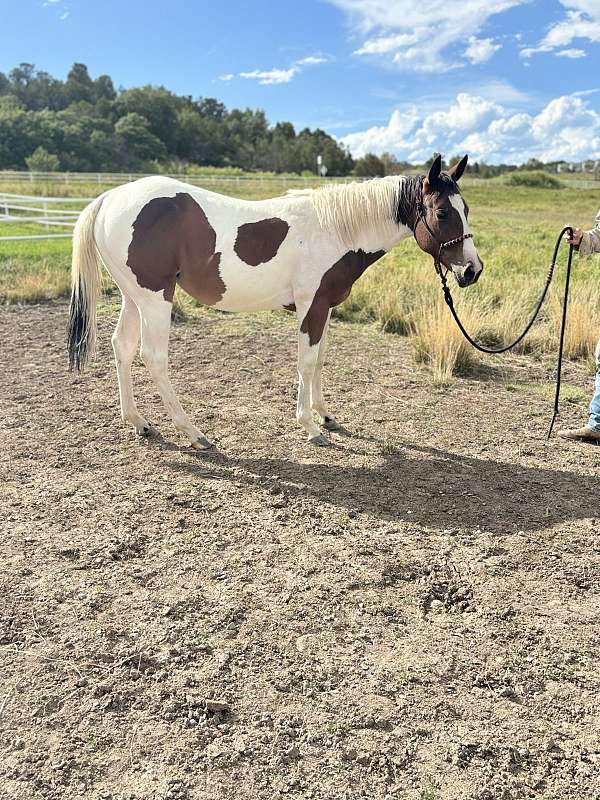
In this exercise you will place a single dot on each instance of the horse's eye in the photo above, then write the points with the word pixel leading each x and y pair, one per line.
pixel 441 214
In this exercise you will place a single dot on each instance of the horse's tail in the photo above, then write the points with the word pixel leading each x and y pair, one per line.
pixel 85 288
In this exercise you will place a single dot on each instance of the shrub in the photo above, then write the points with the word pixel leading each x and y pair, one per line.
pixel 42 161
pixel 535 180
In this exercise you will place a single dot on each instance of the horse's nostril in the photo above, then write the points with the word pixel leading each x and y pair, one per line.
pixel 469 272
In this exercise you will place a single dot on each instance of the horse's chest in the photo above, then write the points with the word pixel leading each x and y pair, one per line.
pixel 337 282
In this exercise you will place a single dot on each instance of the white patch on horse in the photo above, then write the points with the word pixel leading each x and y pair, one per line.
pixel 469 249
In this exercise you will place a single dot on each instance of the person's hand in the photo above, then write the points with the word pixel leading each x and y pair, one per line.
pixel 576 238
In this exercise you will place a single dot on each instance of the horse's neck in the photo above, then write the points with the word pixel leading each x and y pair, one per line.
pixel 384 238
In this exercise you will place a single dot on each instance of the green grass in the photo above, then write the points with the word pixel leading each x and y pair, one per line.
pixel 514 226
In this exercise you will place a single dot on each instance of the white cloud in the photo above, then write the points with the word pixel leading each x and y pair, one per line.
pixel 480 50
pixel 394 136
pixel 273 76
pixel 426 36
pixel 582 21
pixel 571 53
pixel 62 10
pixel 312 60
pixel 566 128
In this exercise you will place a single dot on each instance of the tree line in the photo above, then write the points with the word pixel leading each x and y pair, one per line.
pixel 85 124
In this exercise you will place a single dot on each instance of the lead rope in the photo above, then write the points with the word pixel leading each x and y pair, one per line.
pixel 540 303
pixel 563 325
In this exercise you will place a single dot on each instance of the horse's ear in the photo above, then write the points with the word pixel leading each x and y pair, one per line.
pixel 456 172
pixel 434 171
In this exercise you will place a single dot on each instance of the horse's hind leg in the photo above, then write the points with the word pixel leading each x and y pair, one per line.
pixel 125 341
pixel 318 405
pixel 155 316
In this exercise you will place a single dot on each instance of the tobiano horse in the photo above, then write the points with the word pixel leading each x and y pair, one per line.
pixel 302 252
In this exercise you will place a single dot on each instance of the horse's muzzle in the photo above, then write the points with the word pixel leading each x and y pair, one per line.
pixel 469 274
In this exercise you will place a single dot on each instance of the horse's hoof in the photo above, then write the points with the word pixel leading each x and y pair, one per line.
pixel 202 443
pixel 331 424
pixel 144 430
pixel 319 441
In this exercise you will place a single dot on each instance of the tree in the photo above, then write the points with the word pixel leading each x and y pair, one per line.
pixel 209 107
pixel 200 139
pixel 139 141
pixel 391 165
pixel 533 164
pixel 21 132
pixel 79 85
pixel 104 88
pixel 369 166
pixel 158 106
pixel 42 161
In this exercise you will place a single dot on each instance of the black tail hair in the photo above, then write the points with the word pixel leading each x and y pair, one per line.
pixel 78 334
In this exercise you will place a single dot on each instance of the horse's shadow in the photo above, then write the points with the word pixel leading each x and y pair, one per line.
pixel 426 486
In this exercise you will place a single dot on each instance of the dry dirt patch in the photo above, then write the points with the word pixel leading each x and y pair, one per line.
pixel 411 613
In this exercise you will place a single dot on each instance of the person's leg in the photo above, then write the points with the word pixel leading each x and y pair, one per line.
pixel 591 431
pixel 594 420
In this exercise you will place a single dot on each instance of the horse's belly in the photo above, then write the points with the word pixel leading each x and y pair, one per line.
pixel 258 288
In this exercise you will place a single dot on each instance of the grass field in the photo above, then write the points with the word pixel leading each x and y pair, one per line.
pixel 515 229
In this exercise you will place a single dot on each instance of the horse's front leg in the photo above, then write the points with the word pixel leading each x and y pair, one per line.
pixel 326 419
pixel 312 318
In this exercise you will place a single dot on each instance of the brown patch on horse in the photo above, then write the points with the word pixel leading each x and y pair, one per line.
pixel 258 242
pixel 173 242
pixel 334 288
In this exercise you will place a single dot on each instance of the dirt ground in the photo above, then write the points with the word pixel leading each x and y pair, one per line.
pixel 411 613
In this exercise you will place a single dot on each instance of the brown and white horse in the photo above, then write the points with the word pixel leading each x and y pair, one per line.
pixel 302 251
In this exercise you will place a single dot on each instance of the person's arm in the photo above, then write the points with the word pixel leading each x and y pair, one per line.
pixel 586 242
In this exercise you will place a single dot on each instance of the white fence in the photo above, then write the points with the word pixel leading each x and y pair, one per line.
pixel 114 178
pixel 214 179
pixel 57 214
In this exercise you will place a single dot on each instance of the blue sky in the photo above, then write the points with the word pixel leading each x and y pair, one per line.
pixel 504 79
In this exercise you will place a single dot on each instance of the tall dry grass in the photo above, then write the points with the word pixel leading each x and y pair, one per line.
pixel 440 344
pixel 413 303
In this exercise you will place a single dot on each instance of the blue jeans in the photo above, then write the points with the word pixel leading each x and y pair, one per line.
pixel 594 421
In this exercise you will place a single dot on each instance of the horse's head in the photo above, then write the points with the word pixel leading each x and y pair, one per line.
pixel 443 219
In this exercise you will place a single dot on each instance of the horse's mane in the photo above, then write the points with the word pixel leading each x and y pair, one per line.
pixel 351 208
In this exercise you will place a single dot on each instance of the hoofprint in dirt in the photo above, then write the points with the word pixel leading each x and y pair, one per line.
pixel 411 613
